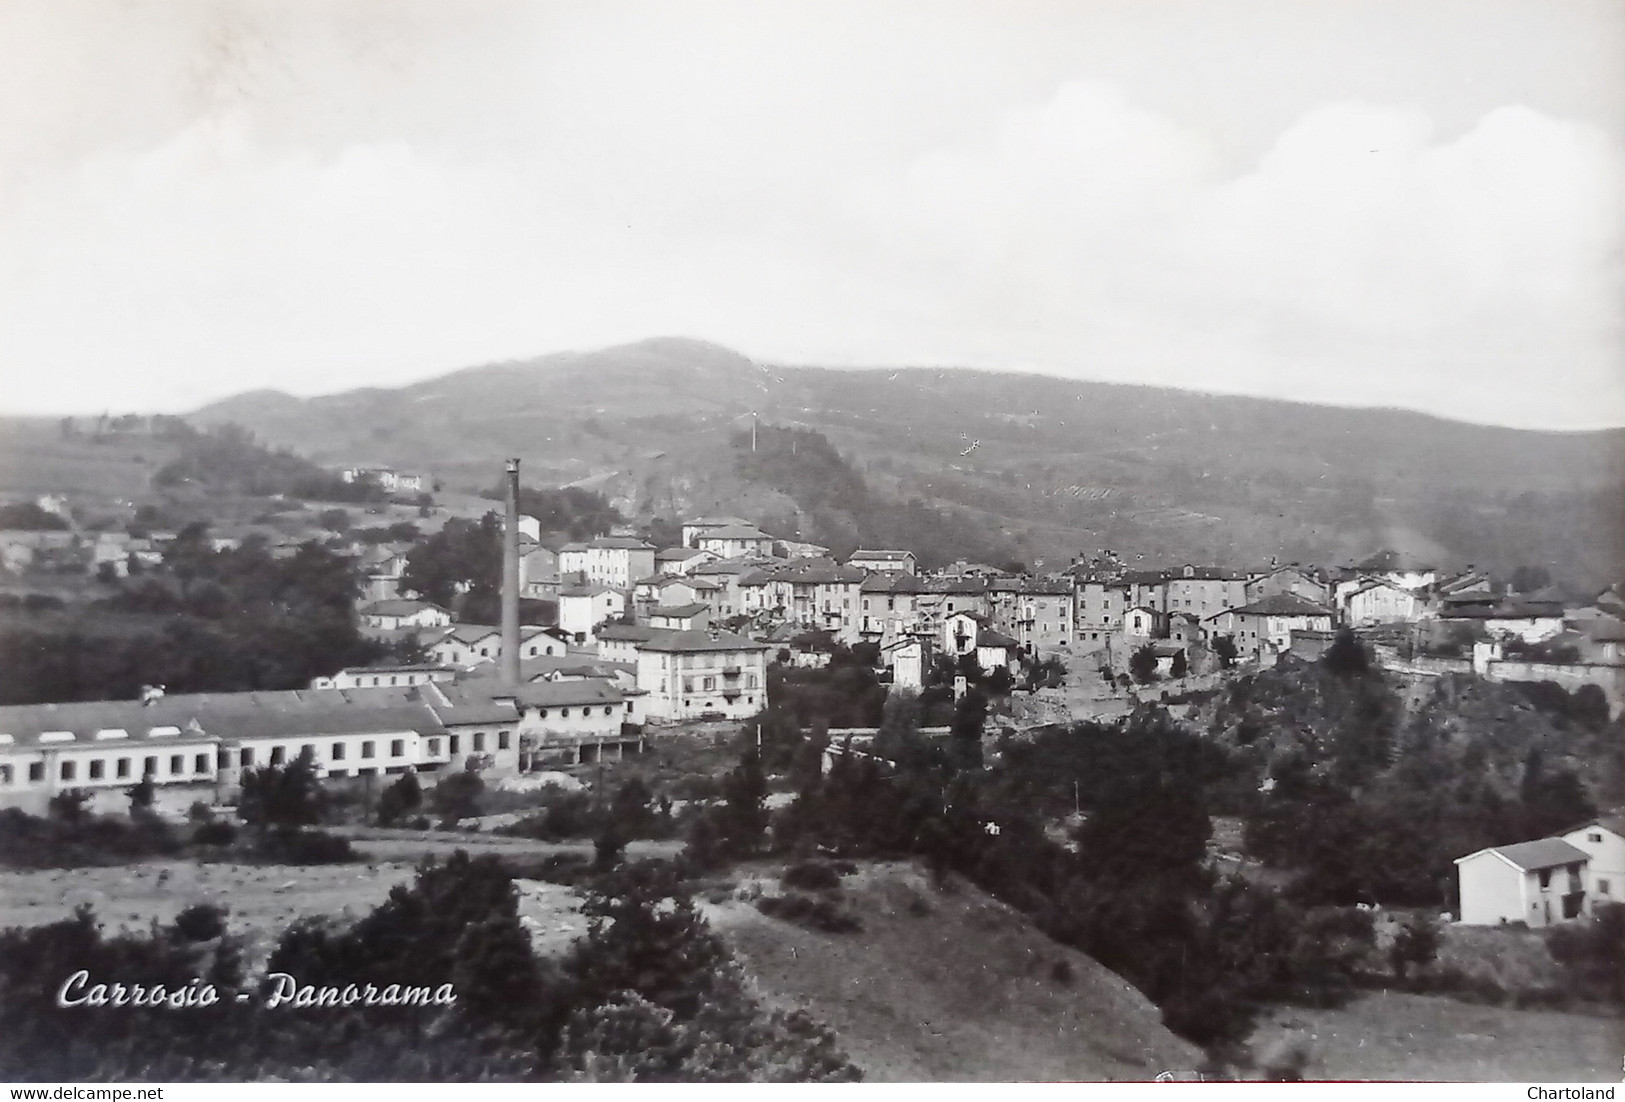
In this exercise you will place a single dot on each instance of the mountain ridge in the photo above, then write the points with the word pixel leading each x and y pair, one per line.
pixel 1058 466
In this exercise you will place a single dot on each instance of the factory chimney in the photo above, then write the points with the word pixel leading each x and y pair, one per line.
pixel 510 577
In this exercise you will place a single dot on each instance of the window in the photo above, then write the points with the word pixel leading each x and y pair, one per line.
pixel 565 712
pixel 367 749
pixel 123 767
pixel 97 769
pixel 485 652
pixel 542 713
pixel 68 771
pixel 246 757
pixel 606 709
pixel 5 774
pixel 688 684
pixel 308 750
pixel 177 763
pixel 36 771
pixel 223 758
pixel 392 679
pixel 279 754
pixel 338 751
pixel 456 742
pixel 375 682
pixel 1603 888
pixel 479 742
pixel 397 747
pixel 200 764
pixel 1545 878
pixel 503 740
pixel 1594 836
pixel 149 768
pixel 710 684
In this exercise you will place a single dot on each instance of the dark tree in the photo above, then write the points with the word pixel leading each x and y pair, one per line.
pixel 1225 647
pixel 400 800
pixel 282 796
pixel 1347 656
pixel 1143 664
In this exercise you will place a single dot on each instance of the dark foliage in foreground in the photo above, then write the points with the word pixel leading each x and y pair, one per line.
pixel 649 994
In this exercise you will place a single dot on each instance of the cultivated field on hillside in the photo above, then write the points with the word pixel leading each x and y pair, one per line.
pixel 951 986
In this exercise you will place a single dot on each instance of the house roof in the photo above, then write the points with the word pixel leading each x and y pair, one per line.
pixel 1506 610
pixel 880 555
pixel 1542 853
pixel 734 532
pixel 681 611
pixel 987 637
pixel 399 606
pixel 1281 604
pixel 713 522
pixel 678 554
pixel 626 633
pixel 697 641
pixel 1615 823
pixel 585 591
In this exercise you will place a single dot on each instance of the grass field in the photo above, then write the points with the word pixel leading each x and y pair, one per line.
pixel 1432 1038
pixel 264 899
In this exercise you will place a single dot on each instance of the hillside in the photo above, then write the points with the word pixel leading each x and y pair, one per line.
pixel 953 986
pixel 1049 467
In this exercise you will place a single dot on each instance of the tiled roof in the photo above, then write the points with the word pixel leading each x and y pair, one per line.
pixel 680 611
pixel 1542 853
pixel 399 606
pixel 695 641
pixel 1281 604
pixel 735 532
pixel 880 555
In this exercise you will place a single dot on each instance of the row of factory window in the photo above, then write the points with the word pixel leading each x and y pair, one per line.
pixel 96 769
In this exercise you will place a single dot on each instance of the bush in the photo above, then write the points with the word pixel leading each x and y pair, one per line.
pixel 806 910
pixel 306 847
pixel 201 922
pixel 215 832
pixel 812 876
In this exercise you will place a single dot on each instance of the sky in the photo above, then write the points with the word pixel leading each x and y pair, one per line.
pixel 1416 203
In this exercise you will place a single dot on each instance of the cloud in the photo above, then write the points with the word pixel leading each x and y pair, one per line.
pixel 256 193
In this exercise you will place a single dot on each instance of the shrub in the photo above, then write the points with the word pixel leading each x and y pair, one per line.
pixel 812 876
pixel 201 922
pixel 806 910
pixel 215 832
pixel 306 847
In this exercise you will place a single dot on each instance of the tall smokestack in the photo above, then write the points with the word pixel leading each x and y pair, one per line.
pixel 510 577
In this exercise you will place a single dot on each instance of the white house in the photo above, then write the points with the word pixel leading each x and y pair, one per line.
pixel 702 674
pixel 883 562
pixel 1376 601
pixel 906 659
pixel 732 540
pixel 695 616
pixel 1603 841
pixel 615 561
pixel 583 608
pixel 400 613
pixel 1140 624
pixel 680 560
pixel 1538 883
pixel 699 526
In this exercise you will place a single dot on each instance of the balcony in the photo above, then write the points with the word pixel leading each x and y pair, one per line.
pixel 731 671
